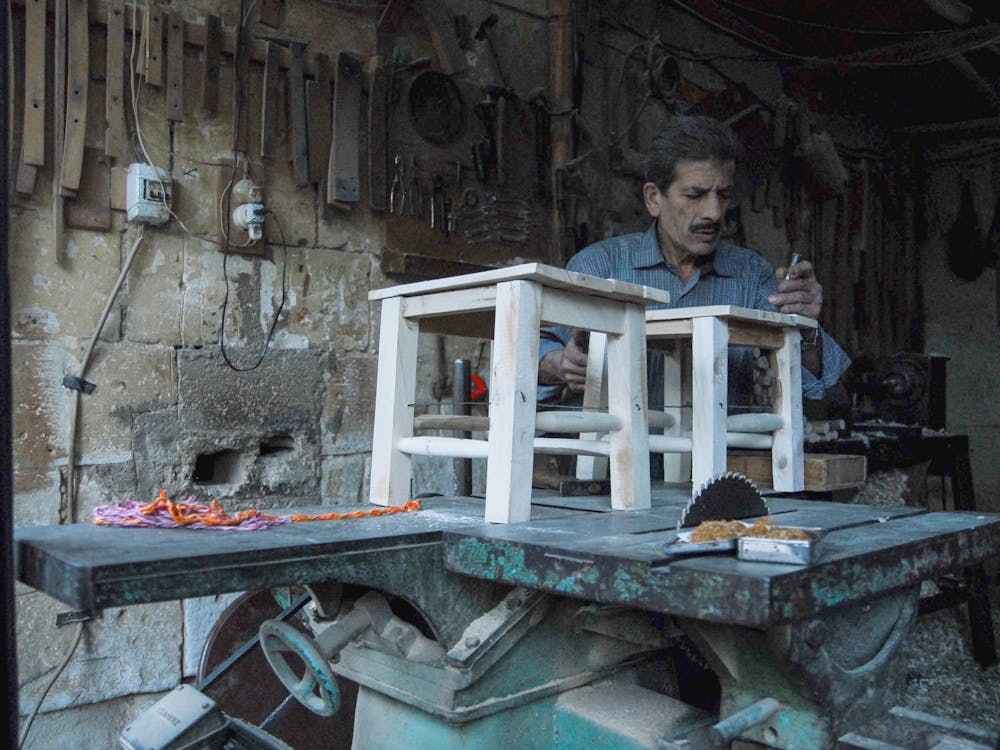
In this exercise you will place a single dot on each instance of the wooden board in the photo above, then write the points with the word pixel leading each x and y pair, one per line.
pixel 175 67
pixel 33 135
pixel 549 276
pixel 318 115
pixel 210 64
pixel 114 82
pixel 823 471
pixel 272 102
pixel 297 94
pixel 342 175
pixel 90 208
pixel 377 101
pixel 77 84
pixel 153 44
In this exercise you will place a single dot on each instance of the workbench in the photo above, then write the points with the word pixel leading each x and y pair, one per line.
pixel 499 600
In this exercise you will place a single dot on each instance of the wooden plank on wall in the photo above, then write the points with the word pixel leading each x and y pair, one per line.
pixel 210 64
pixel 33 134
pixel 77 84
pixel 318 118
pixel 270 12
pixel 175 67
pixel 114 82
pixel 153 44
pixel 297 92
pixel 91 207
pixel 377 164
pixel 343 169
pixel 271 102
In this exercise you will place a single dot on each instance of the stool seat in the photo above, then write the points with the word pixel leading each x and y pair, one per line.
pixel 509 305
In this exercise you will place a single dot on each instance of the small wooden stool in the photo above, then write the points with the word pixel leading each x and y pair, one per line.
pixel 510 305
pixel 712 329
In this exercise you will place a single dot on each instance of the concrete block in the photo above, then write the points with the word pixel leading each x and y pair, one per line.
pixel 349 408
pixel 153 305
pixel 130 380
pixel 203 291
pixel 127 650
pixel 36 497
pixel 282 394
pixel 154 449
pixel 345 480
pixel 95 725
pixel 200 616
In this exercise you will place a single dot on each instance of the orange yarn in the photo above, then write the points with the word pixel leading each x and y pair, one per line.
pixel 215 515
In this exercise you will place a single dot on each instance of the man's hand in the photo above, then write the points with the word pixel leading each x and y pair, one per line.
pixel 800 293
pixel 567 365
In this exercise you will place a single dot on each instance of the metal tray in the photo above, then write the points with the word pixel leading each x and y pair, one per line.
pixel 786 551
pixel 683 545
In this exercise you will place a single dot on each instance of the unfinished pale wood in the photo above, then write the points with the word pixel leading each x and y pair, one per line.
pixel 577 421
pixel 787 453
pixel 395 390
pixel 552 277
pixel 683 443
pixel 595 395
pixel 33 133
pixel 518 300
pixel 456 422
pixel 629 458
pixel 662 420
pixel 115 138
pixel 708 327
pixel 676 385
pixel 709 379
pixel 512 402
pixel 450 447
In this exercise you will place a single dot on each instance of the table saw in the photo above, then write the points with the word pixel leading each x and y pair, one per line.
pixel 564 631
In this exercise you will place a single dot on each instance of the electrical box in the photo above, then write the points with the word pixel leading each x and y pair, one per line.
pixel 147 194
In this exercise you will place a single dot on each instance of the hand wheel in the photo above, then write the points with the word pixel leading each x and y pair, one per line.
pixel 316 689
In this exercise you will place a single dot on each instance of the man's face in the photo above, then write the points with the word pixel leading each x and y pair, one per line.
pixel 690 214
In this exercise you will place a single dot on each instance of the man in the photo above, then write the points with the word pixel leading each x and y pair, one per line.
pixel 690 173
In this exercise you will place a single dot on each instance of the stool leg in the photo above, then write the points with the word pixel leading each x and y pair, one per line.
pixel 395 392
pixel 710 383
pixel 676 466
pixel 513 388
pixel 595 396
pixel 629 460
pixel 787 459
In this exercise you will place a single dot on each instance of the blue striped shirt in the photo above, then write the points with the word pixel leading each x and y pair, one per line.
pixel 732 276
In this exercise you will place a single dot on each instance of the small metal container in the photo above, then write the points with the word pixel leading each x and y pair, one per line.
pixel 787 551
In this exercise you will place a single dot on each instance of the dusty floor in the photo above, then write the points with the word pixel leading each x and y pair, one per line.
pixel 942 677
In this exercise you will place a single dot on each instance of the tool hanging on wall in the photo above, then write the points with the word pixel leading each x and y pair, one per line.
pixel 437 111
pixel 539 105
pixel 484 152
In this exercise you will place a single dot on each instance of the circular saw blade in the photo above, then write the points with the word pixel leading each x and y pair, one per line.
pixel 727 497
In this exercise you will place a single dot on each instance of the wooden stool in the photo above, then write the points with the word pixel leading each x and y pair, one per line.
pixel 510 305
pixel 712 330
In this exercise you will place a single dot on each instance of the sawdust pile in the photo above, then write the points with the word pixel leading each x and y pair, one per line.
pixel 942 677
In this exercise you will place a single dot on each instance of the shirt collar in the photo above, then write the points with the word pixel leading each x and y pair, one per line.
pixel 720 262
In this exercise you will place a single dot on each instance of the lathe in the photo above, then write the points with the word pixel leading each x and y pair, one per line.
pixel 559 632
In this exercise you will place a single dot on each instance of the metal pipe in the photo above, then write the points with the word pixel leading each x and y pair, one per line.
pixel 461 394
pixel 7 618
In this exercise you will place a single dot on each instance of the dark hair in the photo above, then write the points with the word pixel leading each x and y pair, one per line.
pixel 689 138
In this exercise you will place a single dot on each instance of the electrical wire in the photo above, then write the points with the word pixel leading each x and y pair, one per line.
pixel 846 61
pixel 52 680
pixel 277 313
pixel 827 27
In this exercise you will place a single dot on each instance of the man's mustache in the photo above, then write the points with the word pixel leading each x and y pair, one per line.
pixel 714 226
